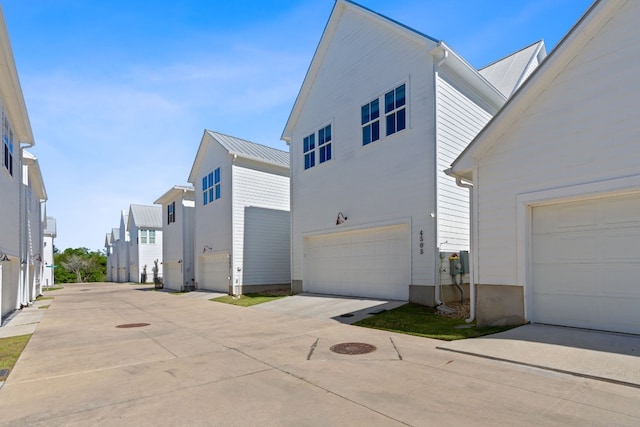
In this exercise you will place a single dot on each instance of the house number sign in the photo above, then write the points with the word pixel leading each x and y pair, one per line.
pixel 421 242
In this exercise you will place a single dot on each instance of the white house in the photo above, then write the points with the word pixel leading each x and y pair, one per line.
pixel 122 249
pixel 33 213
pixel 113 259
pixel 144 225
pixel 242 215
pixel 50 233
pixel 556 185
pixel 382 111
pixel 178 226
pixel 16 135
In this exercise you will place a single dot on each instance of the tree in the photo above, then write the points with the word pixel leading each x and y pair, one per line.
pixel 80 265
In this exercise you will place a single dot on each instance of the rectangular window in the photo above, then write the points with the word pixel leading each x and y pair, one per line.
pixel 171 213
pixel 7 143
pixel 143 237
pixel 211 190
pixel 310 151
pixel 324 143
pixel 395 110
pixel 370 122
pixel 152 237
pixel 147 237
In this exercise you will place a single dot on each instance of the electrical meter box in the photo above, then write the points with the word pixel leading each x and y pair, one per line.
pixel 455 265
pixel 464 260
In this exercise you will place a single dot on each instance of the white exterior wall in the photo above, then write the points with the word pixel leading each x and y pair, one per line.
pixel 123 251
pixel 390 181
pixel 578 138
pixel 259 186
pixel 177 244
pixel 213 221
pixel 48 275
pixel 147 253
pixel 459 119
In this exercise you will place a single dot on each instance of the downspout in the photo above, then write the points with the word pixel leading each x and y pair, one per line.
pixel 22 246
pixel 444 54
pixel 472 287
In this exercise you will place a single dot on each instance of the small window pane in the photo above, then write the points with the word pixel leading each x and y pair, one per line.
pixel 205 199
pixel 365 117
pixel 366 135
pixel 389 104
pixel 211 198
pixel 217 191
pixel 375 130
pixel 321 137
pixel 217 175
pixel 401 120
pixel 391 124
pixel 375 110
pixel 210 179
pixel 400 96
pixel 204 183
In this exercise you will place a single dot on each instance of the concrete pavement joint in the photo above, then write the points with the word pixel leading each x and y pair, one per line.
pixel 546 368
pixel 313 347
pixel 396 348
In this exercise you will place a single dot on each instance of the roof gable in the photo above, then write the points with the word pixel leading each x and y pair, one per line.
pixel 572 43
pixel 145 216
pixel 237 147
pixel 340 8
pixel 176 192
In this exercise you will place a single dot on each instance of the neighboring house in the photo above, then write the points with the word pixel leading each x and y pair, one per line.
pixel 108 251
pixel 382 111
pixel 178 226
pixel 145 244
pixel 50 233
pixel 556 185
pixel 242 215
pixel 35 197
pixel 115 256
pixel 16 135
pixel 122 249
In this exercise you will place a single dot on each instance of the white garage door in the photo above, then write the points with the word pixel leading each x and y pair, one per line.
pixel 586 264
pixel 374 263
pixel 215 272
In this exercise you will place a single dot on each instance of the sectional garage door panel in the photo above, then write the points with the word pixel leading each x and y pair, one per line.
pixel 586 264
pixel 374 263
pixel 172 275
pixel 215 272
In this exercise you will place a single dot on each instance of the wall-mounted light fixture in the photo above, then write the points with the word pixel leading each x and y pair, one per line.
pixel 341 218
pixel 4 258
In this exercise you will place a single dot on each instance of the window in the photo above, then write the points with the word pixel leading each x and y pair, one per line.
pixel 394 110
pixel 7 143
pixel 324 148
pixel 171 213
pixel 310 151
pixel 324 143
pixel 211 190
pixel 370 122
pixel 147 237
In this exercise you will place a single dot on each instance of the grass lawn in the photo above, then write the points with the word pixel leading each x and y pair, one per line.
pixel 44 307
pixel 52 288
pixel 414 319
pixel 248 299
pixel 10 350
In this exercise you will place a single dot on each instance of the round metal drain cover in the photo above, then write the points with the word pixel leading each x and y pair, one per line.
pixel 133 325
pixel 353 348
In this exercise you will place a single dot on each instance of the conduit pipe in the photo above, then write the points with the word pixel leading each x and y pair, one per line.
pixel 472 284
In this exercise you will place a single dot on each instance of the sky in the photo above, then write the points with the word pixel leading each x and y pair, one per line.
pixel 119 93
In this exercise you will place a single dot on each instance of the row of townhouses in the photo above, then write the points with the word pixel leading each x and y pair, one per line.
pixel 26 233
pixel 413 176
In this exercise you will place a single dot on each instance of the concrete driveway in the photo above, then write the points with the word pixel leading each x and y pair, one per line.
pixel 113 355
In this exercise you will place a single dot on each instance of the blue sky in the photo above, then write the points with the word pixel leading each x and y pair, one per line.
pixel 120 92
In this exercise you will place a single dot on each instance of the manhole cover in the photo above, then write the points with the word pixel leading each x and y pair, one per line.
pixel 133 325
pixel 353 348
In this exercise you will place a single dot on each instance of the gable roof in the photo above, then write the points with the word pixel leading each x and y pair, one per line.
pixel 600 12
pixel 187 193
pixel 10 89
pixel 115 234
pixel 145 216
pixel 432 46
pixel 240 148
pixel 508 73
pixel 35 175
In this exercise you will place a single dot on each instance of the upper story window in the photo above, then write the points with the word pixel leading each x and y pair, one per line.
pixel 211 190
pixel 171 213
pixel 324 147
pixel 309 151
pixel 324 143
pixel 7 143
pixel 395 110
pixel 370 122
pixel 147 237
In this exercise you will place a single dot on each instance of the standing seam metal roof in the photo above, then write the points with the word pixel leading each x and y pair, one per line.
pixel 251 150
pixel 147 216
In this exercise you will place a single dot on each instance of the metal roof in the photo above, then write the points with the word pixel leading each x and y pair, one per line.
pixel 251 150
pixel 146 216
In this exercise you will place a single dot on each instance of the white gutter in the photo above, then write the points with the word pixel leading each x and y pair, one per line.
pixel 472 281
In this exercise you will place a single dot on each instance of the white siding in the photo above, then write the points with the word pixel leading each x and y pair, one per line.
pixel 267 246
pixel 259 189
pixel 583 128
pixel 388 181
pixel 459 120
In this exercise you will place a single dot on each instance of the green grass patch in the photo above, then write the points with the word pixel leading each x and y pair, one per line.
pixel 52 288
pixel 415 319
pixel 43 298
pixel 10 350
pixel 44 307
pixel 248 299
